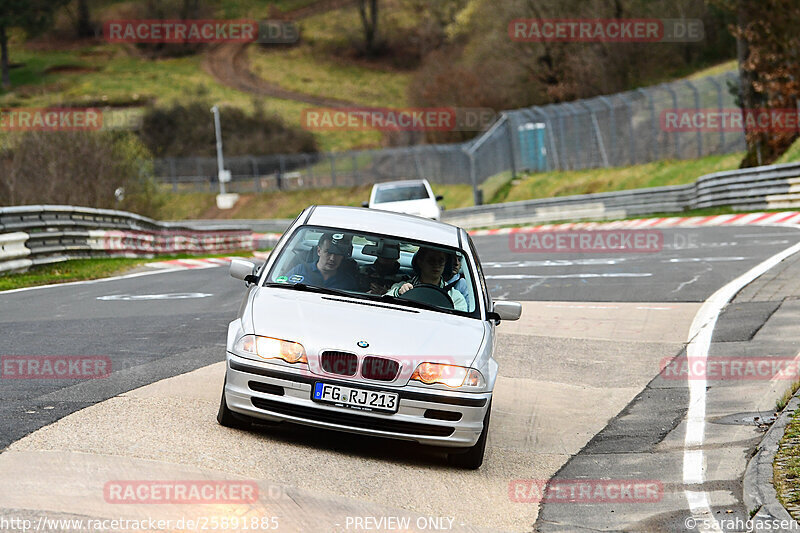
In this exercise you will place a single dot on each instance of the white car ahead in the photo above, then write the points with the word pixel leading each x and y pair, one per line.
pixel 413 197
pixel 368 322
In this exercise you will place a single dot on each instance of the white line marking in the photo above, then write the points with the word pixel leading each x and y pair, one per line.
pixel 566 276
pixel 699 342
pixel 90 281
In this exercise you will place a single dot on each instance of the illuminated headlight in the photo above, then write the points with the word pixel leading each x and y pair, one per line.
pixel 450 375
pixel 269 348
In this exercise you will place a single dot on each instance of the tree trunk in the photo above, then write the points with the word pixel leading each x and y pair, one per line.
pixel 369 20
pixel 84 22
pixel 6 79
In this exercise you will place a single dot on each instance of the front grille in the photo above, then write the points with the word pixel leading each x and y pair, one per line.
pixel 356 421
pixel 342 363
pixel 380 369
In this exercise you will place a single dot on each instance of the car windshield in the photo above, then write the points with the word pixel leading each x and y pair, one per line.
pixel 377 267
pixel 400 193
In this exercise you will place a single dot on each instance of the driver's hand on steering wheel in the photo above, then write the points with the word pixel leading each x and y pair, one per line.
pixel 404 288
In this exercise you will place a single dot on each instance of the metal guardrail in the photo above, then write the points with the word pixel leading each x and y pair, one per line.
pixel 766 187
pixel 41 234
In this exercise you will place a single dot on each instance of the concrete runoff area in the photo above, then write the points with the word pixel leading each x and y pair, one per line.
pixel 549 402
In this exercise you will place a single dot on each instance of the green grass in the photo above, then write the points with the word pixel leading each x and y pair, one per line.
pixel 567 183
pixel 786 466
pixel 85 269
pixel 288 204
pixel 299 70
pixel 791 155
pixel 118 78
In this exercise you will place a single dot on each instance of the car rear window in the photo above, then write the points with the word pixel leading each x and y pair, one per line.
pixel 401 193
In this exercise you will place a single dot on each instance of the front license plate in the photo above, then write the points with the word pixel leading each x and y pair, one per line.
pixel 362 400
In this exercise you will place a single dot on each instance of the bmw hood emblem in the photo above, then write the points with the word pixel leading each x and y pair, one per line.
pixel 362 344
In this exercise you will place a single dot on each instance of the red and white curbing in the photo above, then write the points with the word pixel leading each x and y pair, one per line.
pixel 743 219
pixel 204 262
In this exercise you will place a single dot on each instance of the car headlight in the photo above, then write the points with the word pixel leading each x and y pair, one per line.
pixel 269 348
pixel 450 375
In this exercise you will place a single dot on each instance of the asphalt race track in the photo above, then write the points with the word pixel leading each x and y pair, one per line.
pixel 580 396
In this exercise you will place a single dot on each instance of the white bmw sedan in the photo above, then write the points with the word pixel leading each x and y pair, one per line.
pixel 413 197
pixel 369 322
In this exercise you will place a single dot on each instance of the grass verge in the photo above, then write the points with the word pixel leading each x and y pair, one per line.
pixel 786 465
pixel 86 269
pixel 288 204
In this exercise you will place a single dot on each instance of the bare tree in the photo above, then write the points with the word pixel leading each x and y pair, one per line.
pixel 368 11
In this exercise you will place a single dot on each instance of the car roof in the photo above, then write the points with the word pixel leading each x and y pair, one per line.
pixel 389 184
pixel 384 222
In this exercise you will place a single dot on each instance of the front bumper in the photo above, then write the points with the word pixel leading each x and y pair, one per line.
pixel 428 416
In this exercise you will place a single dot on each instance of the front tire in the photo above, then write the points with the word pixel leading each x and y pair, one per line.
pixel 472 457
pixel 228 418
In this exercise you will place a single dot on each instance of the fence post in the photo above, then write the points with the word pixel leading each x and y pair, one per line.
pixel 675 139
pixel 631 137
pixel 310 168
pixel 281 171
pixel 332 159
pixel 718 87
pixel 612 129
pixel 512 152
pixel 174 174
pixel 696 108
pixel 651 154
pixel 256 176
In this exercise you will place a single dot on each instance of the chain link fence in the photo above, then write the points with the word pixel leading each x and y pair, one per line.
pixel 606 131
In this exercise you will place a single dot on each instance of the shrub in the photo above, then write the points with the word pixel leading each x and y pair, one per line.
pixel 78 168
pixel 185 130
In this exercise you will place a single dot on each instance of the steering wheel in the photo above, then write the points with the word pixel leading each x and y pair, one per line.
pixel 429 294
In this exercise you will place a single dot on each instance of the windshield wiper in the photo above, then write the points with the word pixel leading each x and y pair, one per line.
pixel 413 303
pixel 309 288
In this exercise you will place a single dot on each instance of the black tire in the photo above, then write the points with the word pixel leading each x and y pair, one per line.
pixel 472 457
pixel 228 418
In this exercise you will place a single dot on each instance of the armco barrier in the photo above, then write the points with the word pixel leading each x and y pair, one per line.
pixel 34 235
pixel 766 187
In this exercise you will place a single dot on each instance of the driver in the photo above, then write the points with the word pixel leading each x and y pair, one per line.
pixel 331 268
pixel 430 265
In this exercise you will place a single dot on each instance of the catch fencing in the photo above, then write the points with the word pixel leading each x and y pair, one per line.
pixel 606 131
pixel 765 187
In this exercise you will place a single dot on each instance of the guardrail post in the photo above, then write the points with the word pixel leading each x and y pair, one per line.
pixel 281 172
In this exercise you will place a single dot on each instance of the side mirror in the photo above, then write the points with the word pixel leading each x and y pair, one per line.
pixel 243 270
pixel 439 197
pixel 364 204
pixel 505 310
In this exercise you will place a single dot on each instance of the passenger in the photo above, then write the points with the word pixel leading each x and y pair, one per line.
pixel 378 277
pixel 458 282
pixel 430 266
pixel 330 270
